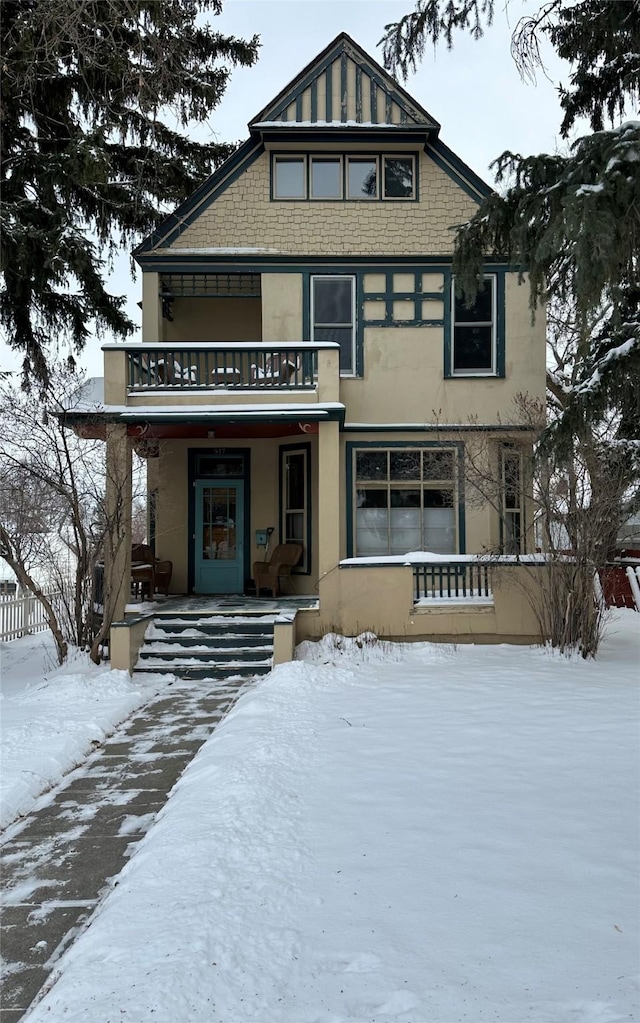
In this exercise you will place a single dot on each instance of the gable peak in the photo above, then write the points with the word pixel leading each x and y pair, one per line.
pixel 344 85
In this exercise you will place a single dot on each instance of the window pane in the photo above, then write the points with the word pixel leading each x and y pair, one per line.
pixel 512 533
pixel 482 309
pixel 326 179
pixel 473 348
pixel 405 465
pixel 404 521
pixel 294 528
pixel 342 336
pixel 398 178
pixel 212 466
pixel 372 523
pixel 289 179
pixel 295 481
pixel 439 534
pixel 371 465
pixel 511 480
pixel 363 179
pixel 332 300
pixel 438 498
pixel 438 465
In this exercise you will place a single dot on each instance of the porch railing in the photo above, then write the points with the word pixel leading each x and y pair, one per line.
pixel 238 367
pixel 448 581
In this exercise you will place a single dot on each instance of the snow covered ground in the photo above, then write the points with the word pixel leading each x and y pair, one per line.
pixel 51 717
pixel 414 834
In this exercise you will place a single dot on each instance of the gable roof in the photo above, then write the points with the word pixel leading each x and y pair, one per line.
pixel 344 85
pixel 342 93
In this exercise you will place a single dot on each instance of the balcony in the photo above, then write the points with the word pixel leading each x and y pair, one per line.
pixel 233 372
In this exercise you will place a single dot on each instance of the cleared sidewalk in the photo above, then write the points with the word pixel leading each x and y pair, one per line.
pixel 59 862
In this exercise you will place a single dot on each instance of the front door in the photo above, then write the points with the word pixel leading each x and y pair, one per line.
pixel 219 537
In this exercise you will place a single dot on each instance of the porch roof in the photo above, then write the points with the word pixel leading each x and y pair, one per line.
pixel 246 413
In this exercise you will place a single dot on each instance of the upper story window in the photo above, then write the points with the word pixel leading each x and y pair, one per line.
pixel 336 176
pixel 326 177
pixel 290 177
pixel 333 316
pixel 473 351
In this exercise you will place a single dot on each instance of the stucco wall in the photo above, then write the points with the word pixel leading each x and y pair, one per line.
pixel 214 319
pixel 244 216
pixel 380 600
pixel 171 473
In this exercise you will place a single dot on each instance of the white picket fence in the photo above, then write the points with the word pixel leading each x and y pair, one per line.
pixel 22 615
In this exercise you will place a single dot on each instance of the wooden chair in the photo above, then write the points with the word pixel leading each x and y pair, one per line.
pixel 277 370
pixel 267 574
pixel 148 572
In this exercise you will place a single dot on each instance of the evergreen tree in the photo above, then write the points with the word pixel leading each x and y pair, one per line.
pixel 96 99
pixel 571 222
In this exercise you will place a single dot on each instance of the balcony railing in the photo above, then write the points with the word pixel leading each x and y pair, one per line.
pixel 446 581
pixel 232 367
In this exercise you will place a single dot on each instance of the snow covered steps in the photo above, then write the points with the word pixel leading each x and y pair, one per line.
pixel 203 646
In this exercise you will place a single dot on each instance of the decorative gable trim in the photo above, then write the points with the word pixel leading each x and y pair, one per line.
pixel 368 95
pixel 172 226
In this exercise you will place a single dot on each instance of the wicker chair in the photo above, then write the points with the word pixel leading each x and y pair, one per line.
pixel 267 574
pixel 148 572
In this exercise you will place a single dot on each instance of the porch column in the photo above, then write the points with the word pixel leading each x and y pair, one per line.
pixel 329 498
pixel 152 322
pixel 117 543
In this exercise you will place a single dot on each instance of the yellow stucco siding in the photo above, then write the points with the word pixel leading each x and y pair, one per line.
pixel 170 473
pixel 244 216
pixel 214 319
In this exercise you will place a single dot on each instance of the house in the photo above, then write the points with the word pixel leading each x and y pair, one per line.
pixel 306 369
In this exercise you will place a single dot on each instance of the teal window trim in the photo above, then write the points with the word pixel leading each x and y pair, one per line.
pixel 383 445
pixel 344 156
pixel 284 450
pixel 307 325
pixel 417 296
pixel 499 369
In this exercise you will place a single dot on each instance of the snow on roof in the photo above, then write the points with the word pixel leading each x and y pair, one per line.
pixel 190 411
pixel 208 250
pixel 334 124
pixel 428 557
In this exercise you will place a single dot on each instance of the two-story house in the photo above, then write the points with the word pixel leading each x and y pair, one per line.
pixel 305 364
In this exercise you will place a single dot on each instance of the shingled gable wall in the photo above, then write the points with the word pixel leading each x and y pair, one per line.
pixel 244 216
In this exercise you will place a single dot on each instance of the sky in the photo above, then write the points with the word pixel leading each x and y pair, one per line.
pixel 474 91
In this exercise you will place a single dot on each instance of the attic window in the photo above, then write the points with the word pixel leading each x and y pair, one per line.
pixel 350 177
pixel 289 177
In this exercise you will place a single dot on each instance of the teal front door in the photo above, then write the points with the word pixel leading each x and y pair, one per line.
pixel 219 537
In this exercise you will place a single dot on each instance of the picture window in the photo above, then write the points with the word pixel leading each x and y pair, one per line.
pixel 400 503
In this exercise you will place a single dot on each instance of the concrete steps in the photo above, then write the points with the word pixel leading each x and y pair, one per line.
pixel 208 646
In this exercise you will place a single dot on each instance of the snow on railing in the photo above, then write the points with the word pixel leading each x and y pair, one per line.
pixel 240 366
pixel 23 615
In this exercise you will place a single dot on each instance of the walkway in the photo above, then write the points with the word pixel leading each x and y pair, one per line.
pixel 58 863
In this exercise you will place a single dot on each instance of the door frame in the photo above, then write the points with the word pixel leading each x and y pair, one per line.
pixel 193 476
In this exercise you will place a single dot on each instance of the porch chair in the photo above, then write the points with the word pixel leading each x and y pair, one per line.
pixel 148 572
pixel 267 574
pixel 277 370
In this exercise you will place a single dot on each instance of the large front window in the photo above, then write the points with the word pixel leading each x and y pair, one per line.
pixel 404 500
pixel 474 332
pixel 333 316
